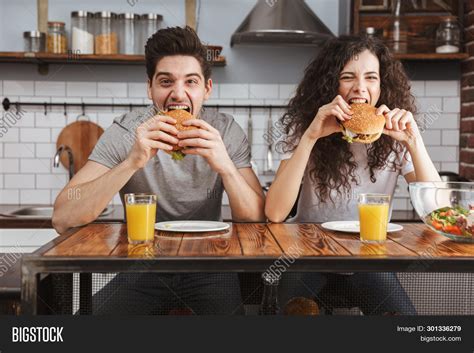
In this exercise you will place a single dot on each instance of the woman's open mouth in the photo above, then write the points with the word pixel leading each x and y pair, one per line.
pixel 358 100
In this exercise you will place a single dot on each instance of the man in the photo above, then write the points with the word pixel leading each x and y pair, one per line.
pixel 130 157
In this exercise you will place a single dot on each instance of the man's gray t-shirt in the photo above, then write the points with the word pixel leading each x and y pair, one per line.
pixel 186 190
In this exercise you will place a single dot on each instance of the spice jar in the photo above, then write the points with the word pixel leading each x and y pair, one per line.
pixel 448 36
pixel 34 41
pixel 128 27
pixel 106 39
pixel 148 24
pixel 81 32
pixel 56 40
pixel 370 32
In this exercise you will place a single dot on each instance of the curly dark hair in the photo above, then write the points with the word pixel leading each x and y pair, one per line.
pixel 331 164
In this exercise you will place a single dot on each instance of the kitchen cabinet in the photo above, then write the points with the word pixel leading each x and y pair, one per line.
pixel 421 23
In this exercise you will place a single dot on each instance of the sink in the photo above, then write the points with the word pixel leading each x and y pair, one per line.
pixel 45 212
pixel 24 240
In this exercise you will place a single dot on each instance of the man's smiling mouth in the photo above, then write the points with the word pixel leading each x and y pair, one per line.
pixel 176 106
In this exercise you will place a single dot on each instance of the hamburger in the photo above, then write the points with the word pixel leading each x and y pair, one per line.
pixel 365 126
pixel 180 116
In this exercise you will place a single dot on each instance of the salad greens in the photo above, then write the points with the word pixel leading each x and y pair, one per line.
pixel 455 220
pixel 177 155
pixel 347 138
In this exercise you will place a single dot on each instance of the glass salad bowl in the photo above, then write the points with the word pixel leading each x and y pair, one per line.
pixel 446 207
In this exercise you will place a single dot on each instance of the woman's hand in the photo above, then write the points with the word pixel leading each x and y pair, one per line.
pixel 399 124
pixel 326 120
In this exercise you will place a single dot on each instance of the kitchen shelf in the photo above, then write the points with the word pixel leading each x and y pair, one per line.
pixel 422 22
pixel 432 56
pixel 71 58
pixel 46 58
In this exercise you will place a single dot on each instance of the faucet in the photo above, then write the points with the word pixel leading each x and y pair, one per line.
pixel 60 150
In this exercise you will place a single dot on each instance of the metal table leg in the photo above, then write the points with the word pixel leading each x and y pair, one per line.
pixel 85 294
pixel 29 284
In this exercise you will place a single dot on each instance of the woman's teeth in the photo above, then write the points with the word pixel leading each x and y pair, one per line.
pixel 358 100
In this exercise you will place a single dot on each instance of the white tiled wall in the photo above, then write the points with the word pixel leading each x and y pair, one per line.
pixel 439 106
pixel 26 150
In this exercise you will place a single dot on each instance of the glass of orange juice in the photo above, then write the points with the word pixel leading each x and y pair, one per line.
pixel 373 217
pixel 141 213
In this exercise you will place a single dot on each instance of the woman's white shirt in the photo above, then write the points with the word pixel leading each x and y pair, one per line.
pixel 344 208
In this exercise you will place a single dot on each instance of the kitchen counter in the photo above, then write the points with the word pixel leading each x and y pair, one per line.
pixel 30 222
pixel 118 216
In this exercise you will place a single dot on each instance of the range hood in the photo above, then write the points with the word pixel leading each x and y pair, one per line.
pixel 288 22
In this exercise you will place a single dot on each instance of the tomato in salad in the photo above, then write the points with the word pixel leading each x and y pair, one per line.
pixel 453 220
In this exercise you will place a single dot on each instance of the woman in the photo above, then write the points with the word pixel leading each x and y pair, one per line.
pixel 332 171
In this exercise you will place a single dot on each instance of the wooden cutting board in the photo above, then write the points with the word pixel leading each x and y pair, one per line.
pixel 81 137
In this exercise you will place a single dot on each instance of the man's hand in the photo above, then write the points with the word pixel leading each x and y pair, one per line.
pixel 154 134
pixel 206 142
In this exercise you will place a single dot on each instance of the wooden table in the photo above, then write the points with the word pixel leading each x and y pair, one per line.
pixel 245 247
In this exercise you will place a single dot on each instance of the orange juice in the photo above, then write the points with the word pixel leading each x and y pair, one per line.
pixel 373 222
pixel 140 222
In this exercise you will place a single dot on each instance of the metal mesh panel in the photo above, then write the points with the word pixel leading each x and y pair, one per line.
pixel 251 287
pixel 164 294
pixel 55 294
pixel 182 294
pixel 384 293
pixel 440 293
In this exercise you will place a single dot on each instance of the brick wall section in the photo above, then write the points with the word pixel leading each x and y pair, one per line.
pixel 466 155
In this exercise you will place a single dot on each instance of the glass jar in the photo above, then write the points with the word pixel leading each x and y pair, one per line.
pixel 34 41
pixel 149 24
pixel 128 26
pixel 56 40
pixel 448 36
pixel 397 35
pixel 82 33
pixel 370 32
pixel 106 38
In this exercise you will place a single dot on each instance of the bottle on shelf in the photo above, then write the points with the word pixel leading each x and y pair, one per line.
pixel 397 35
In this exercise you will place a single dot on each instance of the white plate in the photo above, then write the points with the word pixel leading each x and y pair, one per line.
pixel 191 226
pixel 353 226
